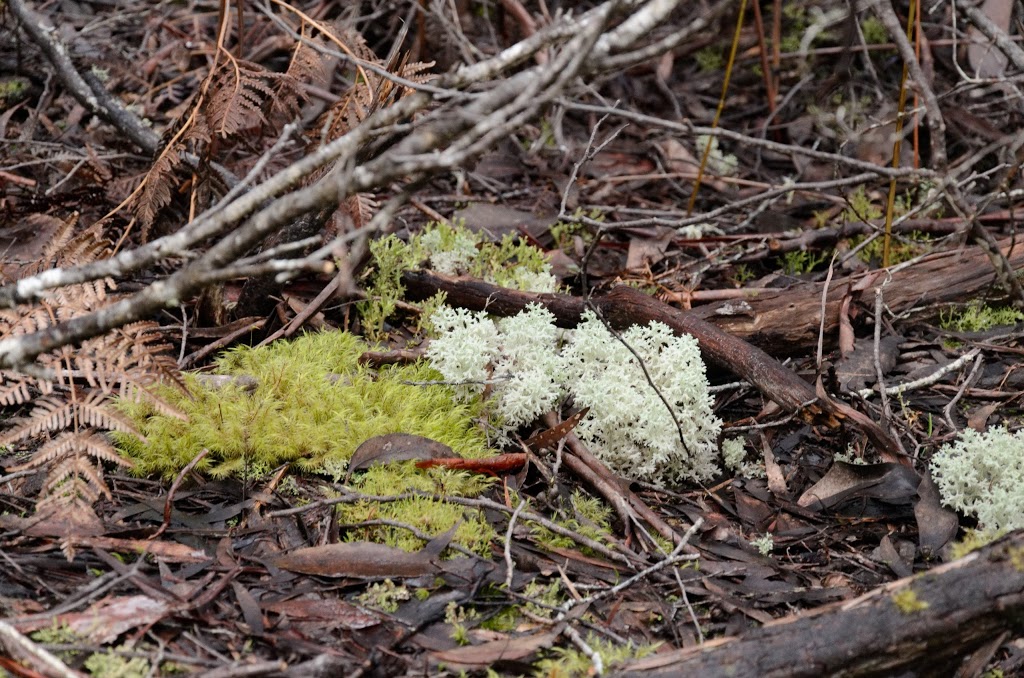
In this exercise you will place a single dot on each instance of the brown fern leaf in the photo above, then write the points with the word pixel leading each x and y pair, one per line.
pixel 159 187
pixel 67 443
pixel 55 250
pixel 49 414
pixel 238 96
pixel 30 246
pixel 360 207
pixel 75 477
pixel 306 65
pixel 96 411
pixel 54 414
pixel 14 390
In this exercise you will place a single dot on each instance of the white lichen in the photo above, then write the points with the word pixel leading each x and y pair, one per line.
pixel 628 426
pixel 982 475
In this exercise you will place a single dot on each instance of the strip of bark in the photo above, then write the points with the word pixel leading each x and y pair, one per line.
pixel 785 323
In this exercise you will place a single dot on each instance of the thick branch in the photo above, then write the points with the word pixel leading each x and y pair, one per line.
pixel 921 624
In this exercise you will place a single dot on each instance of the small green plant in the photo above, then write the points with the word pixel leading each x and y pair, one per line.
pixel 385 596
pixel 592 519
pixel 459 617
pixel 901 249
pixel 874 31
pixel 571 662
pixel 564 231
pixel 978 317
pixel 741 275
pixel 800 262
pixel 908 602
pixel 710 59
pixel 860 207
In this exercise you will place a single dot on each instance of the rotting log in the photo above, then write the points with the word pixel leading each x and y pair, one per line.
pixel 786 322
pixel 925 624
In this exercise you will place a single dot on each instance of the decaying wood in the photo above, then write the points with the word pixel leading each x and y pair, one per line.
pixel 625 306
pixel 922 623
pixel 786 322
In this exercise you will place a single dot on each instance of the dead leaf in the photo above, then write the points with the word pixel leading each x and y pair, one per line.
pixel 366 559
pixel 987 60
pixel 387 449
pixel 644 252
pixel 857 369
pixel 338 612
pixel 979 418
pixel 486 654
pixel 496 221
pixel 847 481
pixel 896 556
pixel 549 438
pixel 107 619
pixel 936 525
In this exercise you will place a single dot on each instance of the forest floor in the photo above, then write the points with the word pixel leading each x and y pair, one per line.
pixel 213 176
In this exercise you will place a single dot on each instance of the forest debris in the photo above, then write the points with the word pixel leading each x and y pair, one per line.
pixel 920 623
pixel 366 559
pixel 890 482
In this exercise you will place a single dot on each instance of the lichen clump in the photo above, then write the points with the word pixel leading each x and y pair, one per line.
pixel 982 475
pixel 629 427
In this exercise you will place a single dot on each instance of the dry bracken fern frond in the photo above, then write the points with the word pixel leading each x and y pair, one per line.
pixel 77 403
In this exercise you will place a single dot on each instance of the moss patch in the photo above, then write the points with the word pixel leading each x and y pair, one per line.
pixel 313 405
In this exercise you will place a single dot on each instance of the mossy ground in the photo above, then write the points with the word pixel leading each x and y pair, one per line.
pixel 313 406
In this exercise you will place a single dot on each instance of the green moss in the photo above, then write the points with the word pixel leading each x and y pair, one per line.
pixel 12 90
pixel 795 21
pixel 591 518
pixel 978 317
pixel 571 662
pixel 56 634
pixel 874 31
pixel 429 515
pixel 1016 556
pixel 314 404
pixel 908 602
pixel 710 59
pixel 112 665
pixel 450 250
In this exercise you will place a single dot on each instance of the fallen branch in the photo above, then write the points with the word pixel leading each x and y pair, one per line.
pixel 921 624
pixel 786 322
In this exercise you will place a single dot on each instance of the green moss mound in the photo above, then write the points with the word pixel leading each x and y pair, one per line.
pixel 314 404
